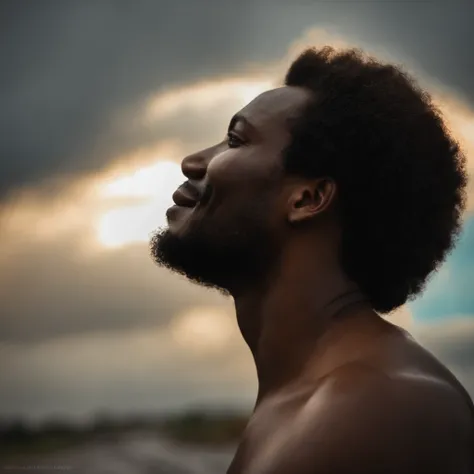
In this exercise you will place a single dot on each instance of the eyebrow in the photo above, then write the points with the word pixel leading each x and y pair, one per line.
pixel 239 118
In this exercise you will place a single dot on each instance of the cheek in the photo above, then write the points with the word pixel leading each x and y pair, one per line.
pixel 240 167
pixel 226 168
pixel 242 181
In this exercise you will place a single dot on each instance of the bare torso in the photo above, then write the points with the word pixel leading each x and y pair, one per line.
pixel 278 426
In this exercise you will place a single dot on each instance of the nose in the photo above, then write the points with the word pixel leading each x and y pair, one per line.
pixel 194 166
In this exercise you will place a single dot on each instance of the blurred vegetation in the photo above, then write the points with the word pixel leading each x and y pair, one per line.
pixel 18 439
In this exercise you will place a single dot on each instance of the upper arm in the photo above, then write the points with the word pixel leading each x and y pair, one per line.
pixel 372 424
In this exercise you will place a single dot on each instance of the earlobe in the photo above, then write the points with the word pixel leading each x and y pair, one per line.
pixel 308 201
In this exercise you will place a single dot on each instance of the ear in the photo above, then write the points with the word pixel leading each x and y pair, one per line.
pixel 310 199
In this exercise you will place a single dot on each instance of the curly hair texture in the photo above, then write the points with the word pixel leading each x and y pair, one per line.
pixel 401 176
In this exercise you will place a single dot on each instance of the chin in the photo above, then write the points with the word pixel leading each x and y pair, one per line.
pixel 222 253
pixel 188 257
pixel 177 217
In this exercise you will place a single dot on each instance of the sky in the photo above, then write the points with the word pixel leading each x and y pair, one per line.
pixel 100 103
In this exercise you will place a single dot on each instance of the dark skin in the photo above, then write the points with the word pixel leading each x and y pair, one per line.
pixel 341 390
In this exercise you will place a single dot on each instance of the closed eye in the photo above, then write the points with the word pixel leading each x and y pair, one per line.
pixel 233 141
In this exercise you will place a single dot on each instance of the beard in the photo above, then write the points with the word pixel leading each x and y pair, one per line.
pixel 227 255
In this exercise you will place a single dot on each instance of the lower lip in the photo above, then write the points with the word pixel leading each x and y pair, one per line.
pixel 171 212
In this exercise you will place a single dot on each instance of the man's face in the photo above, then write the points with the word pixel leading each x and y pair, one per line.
pixel 225 230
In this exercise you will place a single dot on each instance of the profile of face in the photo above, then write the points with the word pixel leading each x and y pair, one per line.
pixel 227 227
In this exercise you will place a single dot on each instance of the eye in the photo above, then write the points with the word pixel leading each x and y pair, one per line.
pixel 233 140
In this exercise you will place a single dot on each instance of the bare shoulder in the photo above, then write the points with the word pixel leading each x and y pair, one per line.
pixel 363 420
pixel 407 390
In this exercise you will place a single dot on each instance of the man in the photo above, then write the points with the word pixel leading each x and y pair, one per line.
pixel 331 201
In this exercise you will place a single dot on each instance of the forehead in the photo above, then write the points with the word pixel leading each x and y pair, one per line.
pixel 271 110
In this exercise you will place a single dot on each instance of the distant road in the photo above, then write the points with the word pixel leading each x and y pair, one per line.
pixel 130 454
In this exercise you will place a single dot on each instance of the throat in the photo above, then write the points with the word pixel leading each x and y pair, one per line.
pixel 286 330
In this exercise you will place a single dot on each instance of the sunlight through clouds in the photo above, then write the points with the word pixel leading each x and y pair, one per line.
pixel 113 324
pixel 151 181
pixel 203 329
pixel 130 224
pixel 128 201
pixel 204 95
pixel 156 183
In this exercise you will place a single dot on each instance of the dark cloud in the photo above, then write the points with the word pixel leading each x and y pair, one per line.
pixel 49 291
pixel 70 71
pixel 68 68
pixel 458 352
pixel 73 65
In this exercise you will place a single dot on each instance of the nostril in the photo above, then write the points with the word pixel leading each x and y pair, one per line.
pixel 193 167
pixel 194 173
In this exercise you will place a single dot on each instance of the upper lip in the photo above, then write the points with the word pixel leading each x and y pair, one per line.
pixel 186 195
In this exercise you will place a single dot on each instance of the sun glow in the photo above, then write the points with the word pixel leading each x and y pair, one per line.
pixel 153 187
pixel 202 96
pixel 126 202
pixel 202 329
pixel 139 200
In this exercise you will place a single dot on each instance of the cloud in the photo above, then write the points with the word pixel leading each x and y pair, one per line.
pixel 52 290
pixel 452 341
pixel 74 75
pixel 124 371
pixel 73 69
pixel 57 277
pixel 150 369
pixel 204 95
pixel 449 291
pixel 50 243
pixel 460 120
pixel 43 239
pixel 83 325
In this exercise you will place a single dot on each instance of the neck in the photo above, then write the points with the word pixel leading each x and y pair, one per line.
pixel 284 320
